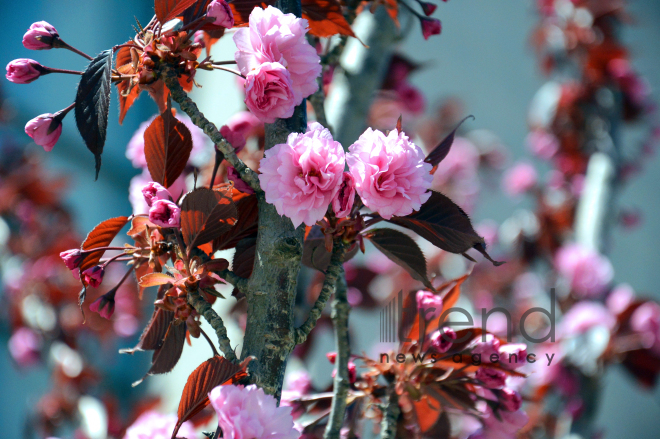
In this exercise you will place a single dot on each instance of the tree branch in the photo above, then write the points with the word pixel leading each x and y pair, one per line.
pixel 329 286
pixel 233 278
pixel 340 311
pixel 204 308
pixel 391 412
pixel 190 108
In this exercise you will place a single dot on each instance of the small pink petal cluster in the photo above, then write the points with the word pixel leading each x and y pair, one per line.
pixel 509 419
pixel 519 179
pixel 40 36
pixel 165 213
pixel 583 316
pixel 428 304
pixel 153 192
pixel 94 276
pixel 249 413
pixel 42 132
pixel 302 176
pixel 239 127
pixel 24 346
pixel 104 305
pixel 268 92
pixel 72 258
pixel 220 11
pixel 24 71
pixel 442 340
pixel 588 272
pixel 342 203
pixel 154 425
pixel 646 322
pixel 277 38
pixel 491 378
pixel 390 174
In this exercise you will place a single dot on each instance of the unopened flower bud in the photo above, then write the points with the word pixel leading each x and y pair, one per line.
pixel 153 191
pixel 491 378
pixel 104 305
pixel 342 203
pixel 165 213
pixel 430 26
pixel 45 130
pixel 510 399
pixel 352 371
pixel 442 340
pixel 332 357
pixel 428 8
pixel 72 258
pixel 40 36
pixel 94 275
pixel 24 71
pixel 221 12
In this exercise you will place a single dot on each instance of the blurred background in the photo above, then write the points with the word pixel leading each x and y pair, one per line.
pixel 483 58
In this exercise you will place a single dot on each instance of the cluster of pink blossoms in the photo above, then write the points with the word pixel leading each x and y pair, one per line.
pixel 305 175
pixel 279 64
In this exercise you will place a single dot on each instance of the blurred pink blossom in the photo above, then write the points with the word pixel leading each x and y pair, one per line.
pixel 588 272
pixel 542 144
pixel 519 179
pixel 154 425
pixel 24 345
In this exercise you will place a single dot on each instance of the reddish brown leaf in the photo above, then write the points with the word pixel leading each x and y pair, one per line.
pixel 315 255
pixel 440 152
pixel 213 372
pixel 167 356
pixel 243 262
pixel 101 236
pixel 126 100
pixel 154 279
pixel 246 224
pixel 153 335
pixel 242 9
pixel 325 18
pixel 159 93
pixel 169 9
pixel 167 146
pixel 205 215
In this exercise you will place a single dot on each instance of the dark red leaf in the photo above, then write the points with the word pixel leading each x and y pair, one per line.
pixel 167 146
pixel 213 372
pixel 243 8
pixel 325 18
pixel 403 250
pixel 100 236
pixel 243 263
pixel 124 63
pixel 205 215
pixel 440 152
pixel 153 335
pixel 169 9
pixel 167 356
pixel 445 225
pixel 246 224
pixel 315 255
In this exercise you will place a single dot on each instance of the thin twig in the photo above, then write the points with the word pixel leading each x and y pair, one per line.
pixel 190 108
pixel 235 72
pixel 340 310
pixel 215 352
pixel 329 286
pixel 318 103
pixel 204 308
pixel 391 412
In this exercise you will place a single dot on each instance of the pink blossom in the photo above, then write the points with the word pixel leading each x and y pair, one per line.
pixel 519 179
pixel 104 305
pixel 588 272
pixel 232 175
pixel 428 304
pixel 153 191
pixel 94 275
pixel 249 413
pixel 269 93
pixel 620 298
pixel 411 97
pixel 511 400
pixel 24 345
pixel 442 340
pixel 239 128
pixel 488 229
pixel 332 357
pixel 72 258
pixel 23 71
pixel 583 316
pixel 153 425
pixel 430 27
pixel 646 321
pixel 542 144
pixel 487 345
pixel 428 8
pixel 343 201
pixel 136 197
pixel 40 36
pixel 491 378
pixel 513 355
pixel 165 213
pixel 275 37
pixel 299 381
pixel 303 175
pixel 221 12
pixel 390 174
pixel 43 132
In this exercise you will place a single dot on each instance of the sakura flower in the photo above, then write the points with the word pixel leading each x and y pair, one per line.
pixel 491 378
pixel 24 345
pixel 249 413
pixel 513 355
pixel 519 179
pixel 511 400
pixel 302 176
pixel 153 191
pixel 542 144
pixel 275 37
pixel 487 346
pixel 24 71
pixel 442 340
pixel 646 321
pixel 269 92
pixel 232 175
pixel 429 304
pixel 94 275
pixel 298 381
pixel 430 27
pixel 72 258
pixel 390 174
pixel 220 11
pixel 40 36
pixel 343 201
pixel 239 127
pixel 165 213
pixel 583 316
pixel 104 305
pixel 44 131
pixel 588 272
pixel 153 425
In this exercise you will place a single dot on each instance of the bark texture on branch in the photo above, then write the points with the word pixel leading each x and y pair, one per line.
pixel 391 412
pixel 340 311
pixel 204 308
